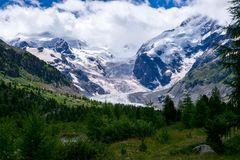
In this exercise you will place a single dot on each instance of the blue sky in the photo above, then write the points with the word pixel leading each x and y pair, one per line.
pixel 48 3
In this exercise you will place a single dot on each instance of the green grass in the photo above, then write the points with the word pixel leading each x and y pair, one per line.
pixel 181 143
pixel 31 82
pixel 215 74
pixel 24 79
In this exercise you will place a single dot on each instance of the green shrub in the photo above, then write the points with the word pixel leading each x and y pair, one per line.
pixel 189 135
pixel 123 150
pixel 142 146
pixel 183 150
pixel 79 151
pixel 163 136
pixel 232 146
pixel 110 131
pixel 6 141
pixel 36 143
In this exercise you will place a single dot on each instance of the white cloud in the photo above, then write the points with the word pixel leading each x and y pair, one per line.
pixel 34 2
pixel 112 24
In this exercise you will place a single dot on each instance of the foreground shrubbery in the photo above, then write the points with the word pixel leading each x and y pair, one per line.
pixel 26 130
pixel 27 117
pixel 121 129
pixel 32 138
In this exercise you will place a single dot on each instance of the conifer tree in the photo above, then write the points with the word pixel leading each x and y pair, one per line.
pixel 35 142
pixel 187 111
pixel 215 103
pixel 231 53
pixel 169 110
pixel 201 112
pixel 6 140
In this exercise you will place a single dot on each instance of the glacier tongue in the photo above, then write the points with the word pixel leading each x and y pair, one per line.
pixel 93 71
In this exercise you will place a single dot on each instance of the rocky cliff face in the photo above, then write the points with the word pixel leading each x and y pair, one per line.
pixel 68 56
pixel 167 58
pixel 206 73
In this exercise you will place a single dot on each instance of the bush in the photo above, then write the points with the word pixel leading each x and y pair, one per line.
pixel 123 150
pixel 232 146
pixel 189 135
pixel 163 137
pixel 182 150
pixel 142 146
pixel 6 141
pixel 79 151
pixel 110 131
pixel 219 127
pixel 35 141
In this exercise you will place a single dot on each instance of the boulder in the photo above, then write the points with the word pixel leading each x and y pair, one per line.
pixel 204 149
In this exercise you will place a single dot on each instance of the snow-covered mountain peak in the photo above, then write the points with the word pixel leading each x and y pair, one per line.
pixel 197 21
pixel 47 40
pixel 164 57
pixel 191 32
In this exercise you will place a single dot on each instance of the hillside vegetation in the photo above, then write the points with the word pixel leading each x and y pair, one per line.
pixel 17 63
pixel 40 124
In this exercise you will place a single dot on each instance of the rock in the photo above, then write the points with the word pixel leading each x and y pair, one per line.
pixel 165 59
pixel 204 149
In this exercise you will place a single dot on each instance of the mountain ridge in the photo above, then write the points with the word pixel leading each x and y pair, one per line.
pixel 160 63
pixel 167 54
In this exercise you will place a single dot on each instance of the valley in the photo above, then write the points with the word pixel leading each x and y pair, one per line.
pixel 161 65
pixel 119 80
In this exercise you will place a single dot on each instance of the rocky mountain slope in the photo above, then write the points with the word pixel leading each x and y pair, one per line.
pixel 206 73
pixel 164 60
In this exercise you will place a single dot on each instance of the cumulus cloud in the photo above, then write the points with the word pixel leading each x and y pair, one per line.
pixel 34 2
pixel 120 26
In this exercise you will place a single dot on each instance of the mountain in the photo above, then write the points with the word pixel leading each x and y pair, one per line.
pixel 175 57
pixel 205 74
pixel 182 60
pixel 94 71
pixel 164 60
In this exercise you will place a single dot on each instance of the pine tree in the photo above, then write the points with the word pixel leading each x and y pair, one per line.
pixel 231 59
pixel 215 104
pixel 36 144
pixel 187 111
pixel 201 112
pixel 180 105
pixel 7 140
pixel 169 110
pixel 231 53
